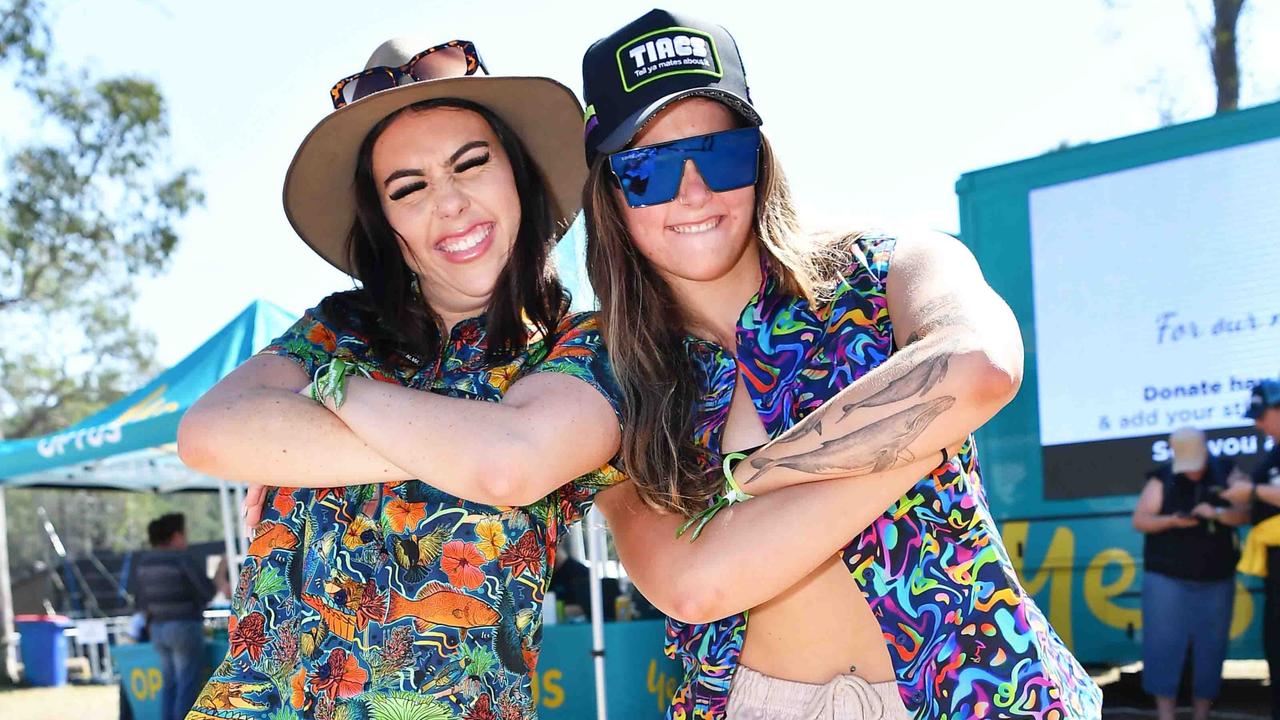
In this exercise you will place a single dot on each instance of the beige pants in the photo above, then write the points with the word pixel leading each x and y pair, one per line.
pixel 754 696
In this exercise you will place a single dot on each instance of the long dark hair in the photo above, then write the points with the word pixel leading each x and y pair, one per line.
pixel 644 329
pixel 527 290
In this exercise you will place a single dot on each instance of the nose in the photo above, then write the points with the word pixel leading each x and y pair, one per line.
pixel 450 200
pixel 693 189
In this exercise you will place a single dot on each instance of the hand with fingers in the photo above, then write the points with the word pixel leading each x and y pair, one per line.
pixel 251 508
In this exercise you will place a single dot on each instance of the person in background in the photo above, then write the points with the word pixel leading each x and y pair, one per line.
pixel 571 582
pixel 1262 494
pixel 1189 554
pixel 171 588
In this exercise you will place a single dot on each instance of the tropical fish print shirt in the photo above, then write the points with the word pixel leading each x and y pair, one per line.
pixel 396 600
pixel 965 639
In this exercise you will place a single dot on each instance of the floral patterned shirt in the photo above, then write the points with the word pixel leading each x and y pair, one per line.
pixel 398 600
pixel 965 639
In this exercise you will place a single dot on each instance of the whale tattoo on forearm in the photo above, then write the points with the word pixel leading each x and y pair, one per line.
pixel 917 382
pixel 866 450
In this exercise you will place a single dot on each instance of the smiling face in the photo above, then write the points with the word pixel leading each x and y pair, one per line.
pixel 701 235
pixel 446 187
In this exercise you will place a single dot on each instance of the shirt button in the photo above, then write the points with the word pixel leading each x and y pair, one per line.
pixel 917 697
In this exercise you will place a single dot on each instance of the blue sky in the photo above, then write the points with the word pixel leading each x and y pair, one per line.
pixel 875 108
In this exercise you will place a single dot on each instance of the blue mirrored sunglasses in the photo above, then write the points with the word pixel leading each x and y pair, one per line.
pixel 651 175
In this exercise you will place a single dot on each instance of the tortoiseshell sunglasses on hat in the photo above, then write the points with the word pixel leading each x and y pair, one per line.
pixel 452 59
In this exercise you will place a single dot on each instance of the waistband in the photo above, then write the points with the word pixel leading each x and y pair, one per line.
pixel 756 696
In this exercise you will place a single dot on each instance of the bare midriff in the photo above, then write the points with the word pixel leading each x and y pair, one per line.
pixel 820 627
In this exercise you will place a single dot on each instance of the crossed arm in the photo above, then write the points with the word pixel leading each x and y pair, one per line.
pixel 253 426
pixel 960 362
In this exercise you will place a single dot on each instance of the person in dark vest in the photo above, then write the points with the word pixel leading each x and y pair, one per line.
pixel 171 588
pixel 1262 493
pixel 1188 586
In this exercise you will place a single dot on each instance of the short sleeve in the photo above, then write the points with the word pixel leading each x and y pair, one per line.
pixel 310 342
pixel 578 350
pixel 334 328
pixel 876 254
pixel 576 497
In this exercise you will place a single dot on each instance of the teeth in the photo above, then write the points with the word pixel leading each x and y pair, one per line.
pixel 466 242
pixel 700 227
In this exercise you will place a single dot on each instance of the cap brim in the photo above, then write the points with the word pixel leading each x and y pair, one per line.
pixel 634 123
pixel 318 196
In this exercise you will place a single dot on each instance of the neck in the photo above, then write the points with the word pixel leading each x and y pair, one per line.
pixel 712 308
pixel 451 316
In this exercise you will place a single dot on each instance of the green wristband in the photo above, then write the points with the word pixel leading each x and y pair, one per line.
pixel 733 493
pixel 330 382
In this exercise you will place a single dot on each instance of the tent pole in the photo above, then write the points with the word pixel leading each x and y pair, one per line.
pixel 228 534
pixel 578 543
pixel 242 540
pixel 595 563
pixel 8 656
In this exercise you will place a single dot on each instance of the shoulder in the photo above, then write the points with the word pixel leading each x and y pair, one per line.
pixel 345 313
pixel 918 250
pixel 578 330
pixel 883 256
pixel 1222 469
pixel 314 338
pixel 586 321
pixel 851 256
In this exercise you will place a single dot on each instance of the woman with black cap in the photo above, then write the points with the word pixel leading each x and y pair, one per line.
pixel 375 594
pixel 753 359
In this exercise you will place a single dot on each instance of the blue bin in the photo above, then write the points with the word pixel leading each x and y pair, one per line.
pixel 44 649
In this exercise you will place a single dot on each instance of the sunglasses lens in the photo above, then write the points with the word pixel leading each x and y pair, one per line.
pixel 729 160
pixel 367 85
pixel 651 175
pixel 443 63
pixel 648 175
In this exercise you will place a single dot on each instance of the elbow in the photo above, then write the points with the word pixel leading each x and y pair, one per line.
pixel 507 478
pixel 997 378
pixel 196 444
pixel 694 600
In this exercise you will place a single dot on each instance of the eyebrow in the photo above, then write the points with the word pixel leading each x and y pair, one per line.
pixel 469 146
pixel 409 172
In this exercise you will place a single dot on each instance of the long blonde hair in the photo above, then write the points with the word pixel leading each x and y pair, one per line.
pixel 644 330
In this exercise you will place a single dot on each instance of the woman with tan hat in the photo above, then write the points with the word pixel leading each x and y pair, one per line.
pixel 406 577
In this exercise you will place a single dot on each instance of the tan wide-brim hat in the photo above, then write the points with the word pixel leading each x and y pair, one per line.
pixel 319 190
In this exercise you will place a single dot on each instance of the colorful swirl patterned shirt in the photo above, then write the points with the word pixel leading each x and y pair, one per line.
pixel 398 600
pixel 965 639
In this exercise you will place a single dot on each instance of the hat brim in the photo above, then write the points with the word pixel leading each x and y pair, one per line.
pixel 319 198
pixel 635 122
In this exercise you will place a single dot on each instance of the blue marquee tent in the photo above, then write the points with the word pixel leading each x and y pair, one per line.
pixel 131 444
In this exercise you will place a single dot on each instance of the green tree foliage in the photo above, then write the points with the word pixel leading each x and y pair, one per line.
pixel 88 204
pixel 86 207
